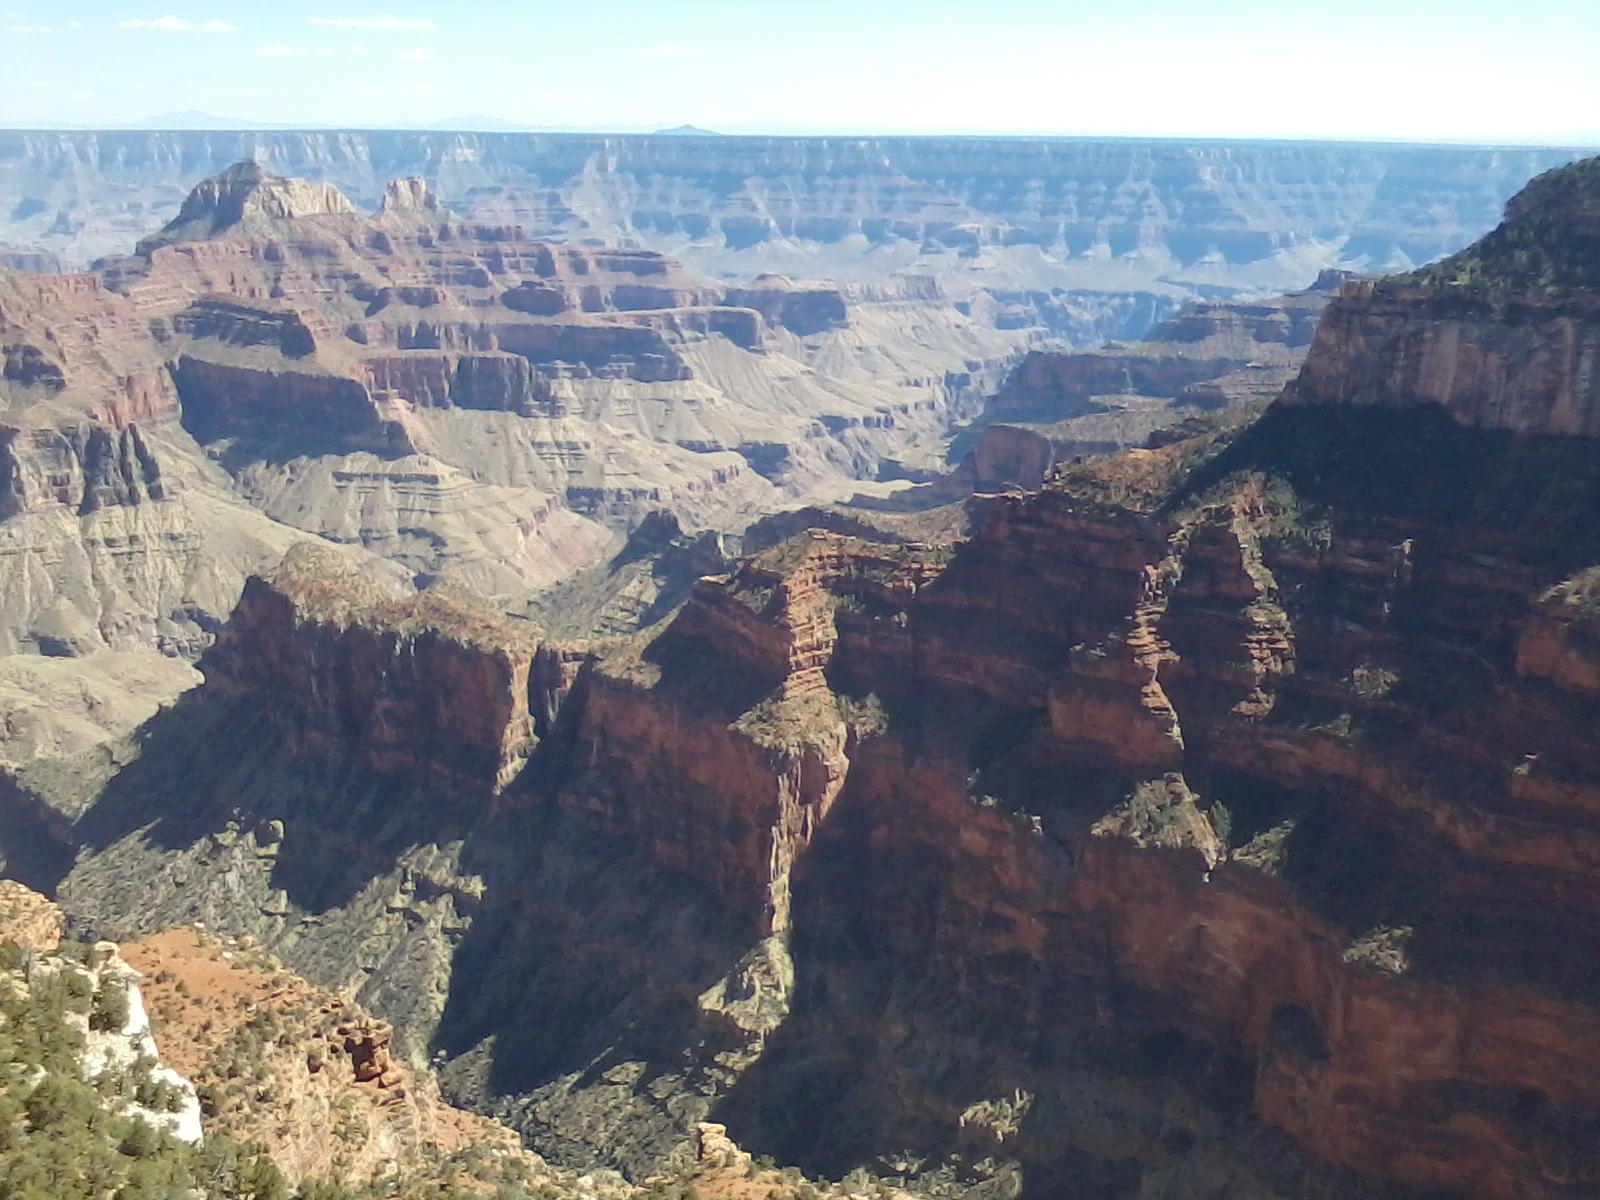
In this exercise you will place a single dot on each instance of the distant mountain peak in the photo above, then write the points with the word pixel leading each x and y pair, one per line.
pixel 246 194
pixel 687 131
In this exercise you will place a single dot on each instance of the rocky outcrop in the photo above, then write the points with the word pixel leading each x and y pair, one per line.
pixel 437 682
pixel 28 919
pixel 246 325
pixel 803 310
pixel 269 407
pixel 1399 343
pixel 1221 815
pixel 276 325
pixel 1011 454
pixel 82 467
pixel 1502 335
pixel 246 194
pixel 1204 342
pixel 1057 405
pixel 753 792
pixel 410 194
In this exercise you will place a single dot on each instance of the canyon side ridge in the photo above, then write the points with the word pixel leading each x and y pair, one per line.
pixel 1218 818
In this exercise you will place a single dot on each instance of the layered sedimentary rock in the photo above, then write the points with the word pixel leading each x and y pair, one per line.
pixel 453 396
pixel 1217 819
pixel 395 330
pixel 1041 223
pixel 114 530
pixel 1220 816
pixel 432 681
pixel 1057 404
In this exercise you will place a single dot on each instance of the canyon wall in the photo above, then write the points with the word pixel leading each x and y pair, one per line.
pixel 1108 216
pixel 1219 818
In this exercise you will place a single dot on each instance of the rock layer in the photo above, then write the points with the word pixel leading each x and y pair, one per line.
pixel 1218 818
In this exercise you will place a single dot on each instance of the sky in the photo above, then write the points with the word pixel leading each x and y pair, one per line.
pixel 1502 71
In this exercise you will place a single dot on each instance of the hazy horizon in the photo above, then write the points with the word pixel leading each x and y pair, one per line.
pixel 1474 72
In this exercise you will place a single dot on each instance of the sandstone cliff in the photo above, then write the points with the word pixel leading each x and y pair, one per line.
pixel 456 397
pixel 1501 335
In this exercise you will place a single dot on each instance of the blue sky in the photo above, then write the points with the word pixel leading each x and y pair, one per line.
pixel 1464 70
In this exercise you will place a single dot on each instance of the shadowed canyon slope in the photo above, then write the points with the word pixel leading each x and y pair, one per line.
pixel 1218 819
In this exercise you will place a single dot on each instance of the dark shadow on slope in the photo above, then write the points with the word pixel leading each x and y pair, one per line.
pixel 902 1026
pixel 35 843
pixel 1417 465
pixel 573 997
pixel 212 763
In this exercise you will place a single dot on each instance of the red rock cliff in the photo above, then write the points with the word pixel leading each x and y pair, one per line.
pixel 426 683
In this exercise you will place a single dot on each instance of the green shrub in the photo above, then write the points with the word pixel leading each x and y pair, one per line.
pixel 112 1007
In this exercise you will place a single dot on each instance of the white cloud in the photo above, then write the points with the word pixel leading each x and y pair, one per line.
pixel 242 94
pixel 23 30
pixel 385 23
pixel 171 24
pixel 280 51
pixel 430 89
pixel 415 54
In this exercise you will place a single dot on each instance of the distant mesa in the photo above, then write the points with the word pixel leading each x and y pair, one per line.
pixel 687 131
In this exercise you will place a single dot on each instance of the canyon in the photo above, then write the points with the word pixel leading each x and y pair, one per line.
pixel 984 669
pixel 1216 817
pixel 1087 238
pixel 446 399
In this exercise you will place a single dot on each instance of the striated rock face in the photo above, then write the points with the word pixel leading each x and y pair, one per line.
pixel 325 413
pixel 453 395
pixel 1203 343
pixel 1220 818
pixel 408 195
pixel 751 793
pixel 1059 217
pixel 1397 343
pixel 327 333
pixel 801 310
pixel 433 682
pixel 1502 335
pixel 1056 405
